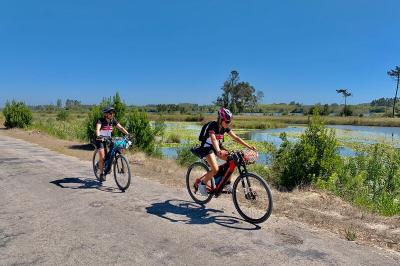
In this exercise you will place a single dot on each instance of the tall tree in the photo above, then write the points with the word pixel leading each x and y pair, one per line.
pixel 345 94
pixel 395 74
pixel 59 103
pixel 238 96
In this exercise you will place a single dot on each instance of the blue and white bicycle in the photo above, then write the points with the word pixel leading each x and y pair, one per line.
pixel 114 161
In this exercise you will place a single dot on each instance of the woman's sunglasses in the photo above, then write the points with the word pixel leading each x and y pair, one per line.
pixel 227 121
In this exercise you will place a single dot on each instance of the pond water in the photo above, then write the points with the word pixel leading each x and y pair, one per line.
pixel 360 134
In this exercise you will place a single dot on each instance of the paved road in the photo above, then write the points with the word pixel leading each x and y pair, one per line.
pixel 52 212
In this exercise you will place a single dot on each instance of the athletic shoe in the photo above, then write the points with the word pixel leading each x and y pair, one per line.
pixel 202 189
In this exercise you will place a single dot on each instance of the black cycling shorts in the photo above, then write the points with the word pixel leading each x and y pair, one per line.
pixel 99 144
pixel 202 151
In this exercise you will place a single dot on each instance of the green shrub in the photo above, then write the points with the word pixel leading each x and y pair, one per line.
pixel 185 156
pixel 17 114
pixel 94 115
pixel 159 127
pixel 313 157
pixel 63 115
pixel 350 234
pixel 138 125
pixel 371 179
pixel 173 138
pixel 262 170
pixel 120 109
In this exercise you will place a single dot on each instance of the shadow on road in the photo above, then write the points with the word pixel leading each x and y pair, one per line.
pixel 83 183
pixel 85 147
pixel 192 213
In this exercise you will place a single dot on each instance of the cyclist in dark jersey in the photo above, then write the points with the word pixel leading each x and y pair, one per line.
pixel 104 128
pixel 212 146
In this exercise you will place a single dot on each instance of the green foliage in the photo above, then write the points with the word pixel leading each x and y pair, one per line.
pixel 371 179
pixel 63 115
pixel 17 114
pixel 94 115
pixel 120 109
pixel 159 127
pixel 185 156
pixel 173 138
pixel 238 96
pixel 249 124
pixel 262 170
pixel 61 129
pixel 313 157
pixel 350 234
pixel 138 125
pixel 347 111
pixel 71 104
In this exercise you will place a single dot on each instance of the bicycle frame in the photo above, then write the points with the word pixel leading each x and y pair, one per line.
pixel 234 160
pixel 115 151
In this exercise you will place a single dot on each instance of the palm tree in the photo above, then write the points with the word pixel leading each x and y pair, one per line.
pixel 345 94
pixel 395 74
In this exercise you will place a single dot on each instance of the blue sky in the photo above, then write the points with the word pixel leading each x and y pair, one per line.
pixel 182 51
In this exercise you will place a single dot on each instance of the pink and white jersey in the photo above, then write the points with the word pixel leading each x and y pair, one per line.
pixel 213 128
pixel 106 126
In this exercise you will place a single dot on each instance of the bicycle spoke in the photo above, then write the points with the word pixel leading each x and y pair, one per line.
pixel 122 173
pixel 195 172
pixel 252 198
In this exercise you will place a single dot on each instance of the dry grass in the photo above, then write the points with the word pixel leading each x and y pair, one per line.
pixel 313 207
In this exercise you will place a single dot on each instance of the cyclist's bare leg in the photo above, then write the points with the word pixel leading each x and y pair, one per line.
pixel 101 159
pixel 212 162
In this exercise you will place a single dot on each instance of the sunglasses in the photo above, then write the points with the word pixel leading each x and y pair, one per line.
pixel 227 121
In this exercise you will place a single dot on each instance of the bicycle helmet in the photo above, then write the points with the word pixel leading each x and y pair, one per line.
pixel 224 114
pixel 108 109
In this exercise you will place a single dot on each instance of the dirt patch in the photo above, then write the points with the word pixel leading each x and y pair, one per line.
pixel 318 209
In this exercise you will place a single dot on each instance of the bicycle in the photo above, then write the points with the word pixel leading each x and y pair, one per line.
pixel 115 160
pixel 251 194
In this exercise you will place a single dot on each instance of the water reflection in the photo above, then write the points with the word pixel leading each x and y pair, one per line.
pixel 359 134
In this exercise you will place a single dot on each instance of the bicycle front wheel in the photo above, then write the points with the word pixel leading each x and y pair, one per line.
pixel 95 162
pixel 252 198
pixel 122 172
pixel 193 175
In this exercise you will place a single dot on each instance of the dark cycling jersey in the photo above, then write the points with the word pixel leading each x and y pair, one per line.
pixel 213 128
pixel 106 127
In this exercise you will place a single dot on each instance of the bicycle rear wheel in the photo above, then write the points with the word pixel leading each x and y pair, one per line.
pixel 193 175
pixel 95 162
pixel 122 172
pixel 252 198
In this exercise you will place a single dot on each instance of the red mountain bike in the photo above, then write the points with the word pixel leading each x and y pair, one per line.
pixel 251 194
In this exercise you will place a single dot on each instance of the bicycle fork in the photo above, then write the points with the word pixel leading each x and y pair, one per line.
pixel 248 192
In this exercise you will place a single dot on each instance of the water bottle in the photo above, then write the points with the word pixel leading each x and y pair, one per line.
pixel 220 174
pixel 217 179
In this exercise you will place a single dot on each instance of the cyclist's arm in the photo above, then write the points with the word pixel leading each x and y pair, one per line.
pixel 98 127
pixel 122 129
pixel 240 140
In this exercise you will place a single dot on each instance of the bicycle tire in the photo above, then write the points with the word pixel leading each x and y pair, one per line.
pixel 198 168
pixel 121 166
pixel 249 196
pixel 95 163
